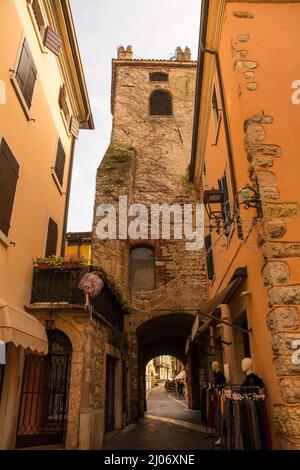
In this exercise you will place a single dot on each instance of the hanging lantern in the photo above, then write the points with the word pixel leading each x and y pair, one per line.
pixel 246 194
pixel 91 284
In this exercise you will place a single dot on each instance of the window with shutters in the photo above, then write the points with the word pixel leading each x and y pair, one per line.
pixel 161 103
pixel 216 113
pixel 25 77
pixel 46 36
pixel 38 16
pixel 64 105
pixel 9 173
pixel 142 268
pixel 71 123
pixel 226 208
pixel 52 235
pixel 59 166
pixel 209 257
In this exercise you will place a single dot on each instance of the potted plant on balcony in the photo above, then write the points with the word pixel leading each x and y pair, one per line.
pixel 73 262
pixel 49 262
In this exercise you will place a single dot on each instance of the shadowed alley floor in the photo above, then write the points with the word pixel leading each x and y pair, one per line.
pixel 168 425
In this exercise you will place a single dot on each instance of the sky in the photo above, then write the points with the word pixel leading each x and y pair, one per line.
pixel 154 29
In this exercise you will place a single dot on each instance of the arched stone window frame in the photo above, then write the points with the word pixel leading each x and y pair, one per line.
pixel 134 248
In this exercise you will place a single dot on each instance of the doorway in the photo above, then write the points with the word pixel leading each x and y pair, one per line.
pixel 110 394
pixel 44 396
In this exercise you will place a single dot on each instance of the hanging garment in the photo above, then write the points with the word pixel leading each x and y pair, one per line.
pixel 261 423
pixel 238 443
pixel 219 416
pixel 267 429
pixel 203 405
pixel 255 425
pixel 228 424
pixel 244 425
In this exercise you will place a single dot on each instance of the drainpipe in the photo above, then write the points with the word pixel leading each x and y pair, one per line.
pixel 67 203
pixel 199 81
pixel 228 139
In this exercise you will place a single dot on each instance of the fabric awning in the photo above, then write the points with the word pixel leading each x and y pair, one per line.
pixel 22 329
pixel 209 307
pixel 180 376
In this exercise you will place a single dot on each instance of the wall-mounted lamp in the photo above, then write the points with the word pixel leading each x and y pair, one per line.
pixel 214 202
pixel 250 197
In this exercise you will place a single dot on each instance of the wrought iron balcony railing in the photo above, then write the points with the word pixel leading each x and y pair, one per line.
pixel 61 285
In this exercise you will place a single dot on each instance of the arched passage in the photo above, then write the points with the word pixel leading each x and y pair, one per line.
pixel 161 335
pixel 165 334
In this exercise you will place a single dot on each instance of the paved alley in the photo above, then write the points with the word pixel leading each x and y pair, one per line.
pixel 168 425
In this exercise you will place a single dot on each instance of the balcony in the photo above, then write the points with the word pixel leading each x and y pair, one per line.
pixel 61 286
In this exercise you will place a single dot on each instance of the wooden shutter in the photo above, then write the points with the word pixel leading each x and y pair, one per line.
pixel 74 127
pixel 52 235
pixel 209 257
pixel 60 162
pixel 31 79
pixel 26 73
pixel 223 184
pixel 52 41
pixel 62 97
pixel 9 173
pixel 23 66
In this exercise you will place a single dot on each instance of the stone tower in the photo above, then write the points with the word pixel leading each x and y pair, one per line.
pixel 152 104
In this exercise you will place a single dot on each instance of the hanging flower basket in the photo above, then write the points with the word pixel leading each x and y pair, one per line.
pixel 91 285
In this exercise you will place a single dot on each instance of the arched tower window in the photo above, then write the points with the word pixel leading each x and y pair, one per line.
pixel 161 103
pixel 142 268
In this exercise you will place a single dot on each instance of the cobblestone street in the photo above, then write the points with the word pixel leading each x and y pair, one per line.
pixel 168 425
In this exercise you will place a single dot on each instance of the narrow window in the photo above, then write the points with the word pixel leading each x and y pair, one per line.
pixel 26 74
pixel 161 103
pixel 158 77
pixel 64 104
pixel 52 236
pixel 215 111
pixel 38 15
pixel 60 162
pixel 9 173
pixel 209 257
pixel 142 268
pixel 46 36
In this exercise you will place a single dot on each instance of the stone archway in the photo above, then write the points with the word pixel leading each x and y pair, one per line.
pixel 164 334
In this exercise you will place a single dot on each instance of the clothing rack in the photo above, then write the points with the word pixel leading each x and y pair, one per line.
pixel 238 415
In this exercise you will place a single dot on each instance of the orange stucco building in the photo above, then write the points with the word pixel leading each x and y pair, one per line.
pixel 43 104
pixel 247 118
